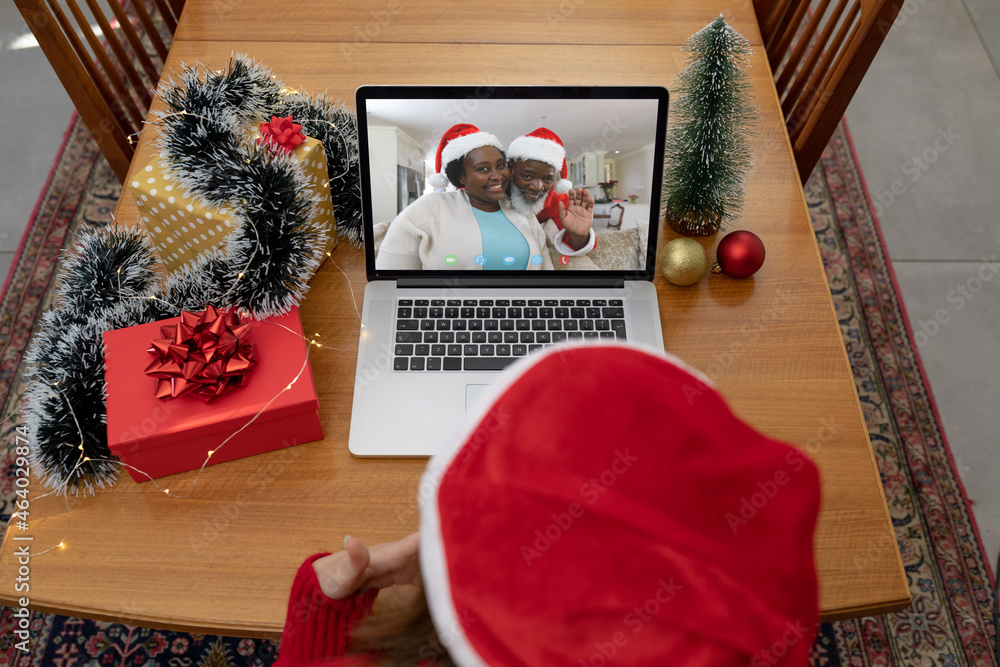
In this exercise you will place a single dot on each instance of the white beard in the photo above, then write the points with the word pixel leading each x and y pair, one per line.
pixel 520 204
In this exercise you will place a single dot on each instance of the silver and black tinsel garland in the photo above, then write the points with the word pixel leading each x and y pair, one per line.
pixel 204 144
pixel 108 281
pixel 203 137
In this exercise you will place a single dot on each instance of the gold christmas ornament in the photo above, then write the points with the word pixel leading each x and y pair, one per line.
pixel 683 262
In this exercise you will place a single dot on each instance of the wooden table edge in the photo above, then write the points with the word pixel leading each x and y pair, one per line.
pixel 172 624
pixel 177 624
pixel 848 613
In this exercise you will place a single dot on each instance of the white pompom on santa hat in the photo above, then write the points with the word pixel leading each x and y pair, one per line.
pixel 545 146
pixel 456 143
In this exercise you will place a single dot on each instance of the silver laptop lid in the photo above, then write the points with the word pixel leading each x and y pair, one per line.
pixel 612 138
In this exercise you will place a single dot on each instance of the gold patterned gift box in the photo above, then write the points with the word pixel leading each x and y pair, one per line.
pixel 183 227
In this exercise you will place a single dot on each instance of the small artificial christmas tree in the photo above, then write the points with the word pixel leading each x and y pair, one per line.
pixel 708 150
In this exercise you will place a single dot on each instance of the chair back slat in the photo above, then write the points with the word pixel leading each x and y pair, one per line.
pixel 48 29
pixel 778 25
pixel 108 75
pixel 175 7
pixel 802 73
pixel 782 42
pixel 784 72
pixel 167 14
pixel 135 41
pixel 116 115
pixel 123 97
pixel 151 32
pixel 820 78
pixel 818 57
pixel 124 64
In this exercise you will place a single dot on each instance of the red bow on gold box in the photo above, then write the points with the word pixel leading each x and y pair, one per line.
pixel 281 134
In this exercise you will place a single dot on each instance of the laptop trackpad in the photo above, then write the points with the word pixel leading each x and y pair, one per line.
pixel 472 393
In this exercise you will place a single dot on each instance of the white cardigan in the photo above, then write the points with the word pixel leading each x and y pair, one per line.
pixel 439 224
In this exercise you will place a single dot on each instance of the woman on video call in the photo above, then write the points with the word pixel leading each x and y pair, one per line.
pixel 473 227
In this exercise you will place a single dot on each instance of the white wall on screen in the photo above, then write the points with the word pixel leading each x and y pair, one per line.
pixel 634 169
pixel 389 147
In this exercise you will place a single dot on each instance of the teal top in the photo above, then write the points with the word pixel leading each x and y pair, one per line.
pixel 504 247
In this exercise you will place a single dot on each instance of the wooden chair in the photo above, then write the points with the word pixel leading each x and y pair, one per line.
pixel 110 83
pixel 818 56
pixel 617 212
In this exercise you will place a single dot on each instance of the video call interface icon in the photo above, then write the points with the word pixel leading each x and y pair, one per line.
pixel 480 260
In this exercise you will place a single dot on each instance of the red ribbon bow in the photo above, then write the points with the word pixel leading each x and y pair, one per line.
pixel 207 354
pixel 281 134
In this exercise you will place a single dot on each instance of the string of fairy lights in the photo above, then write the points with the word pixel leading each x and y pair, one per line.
pixel 311 342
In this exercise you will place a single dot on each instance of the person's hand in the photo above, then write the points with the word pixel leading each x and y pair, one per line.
pixel 359 567
pixel 577 217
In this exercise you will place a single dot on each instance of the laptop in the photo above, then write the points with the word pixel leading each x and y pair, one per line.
pixel 437 333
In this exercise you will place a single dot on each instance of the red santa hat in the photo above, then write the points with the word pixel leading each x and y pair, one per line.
pixel 545 146
pixel 604 504
pixel 456 143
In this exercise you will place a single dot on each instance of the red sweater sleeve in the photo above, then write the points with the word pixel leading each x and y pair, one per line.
pixel 318 627
pixel 551 208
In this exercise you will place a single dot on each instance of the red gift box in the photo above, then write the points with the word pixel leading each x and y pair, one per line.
pixel 162 437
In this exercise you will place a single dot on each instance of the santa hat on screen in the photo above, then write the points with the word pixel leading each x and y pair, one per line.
pixel 456 143
pixel 554 537
pixel 545 146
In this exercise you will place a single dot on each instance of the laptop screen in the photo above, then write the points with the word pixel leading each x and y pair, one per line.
pixel 555 183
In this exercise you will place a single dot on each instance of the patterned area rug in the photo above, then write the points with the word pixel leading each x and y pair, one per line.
pixel 951 620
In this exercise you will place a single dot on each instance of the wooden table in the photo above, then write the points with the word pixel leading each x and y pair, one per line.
pixel 222 559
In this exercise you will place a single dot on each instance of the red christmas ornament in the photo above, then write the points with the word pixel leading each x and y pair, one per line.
pixel 740 254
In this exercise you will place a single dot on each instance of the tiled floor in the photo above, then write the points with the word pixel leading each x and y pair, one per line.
pixel 926 119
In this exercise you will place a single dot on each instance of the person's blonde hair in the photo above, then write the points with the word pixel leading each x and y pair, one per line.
pixel 401 635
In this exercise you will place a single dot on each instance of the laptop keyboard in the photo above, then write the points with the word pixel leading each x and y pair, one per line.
pixel 491 334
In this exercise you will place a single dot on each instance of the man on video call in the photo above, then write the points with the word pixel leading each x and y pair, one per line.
pixel 536 162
